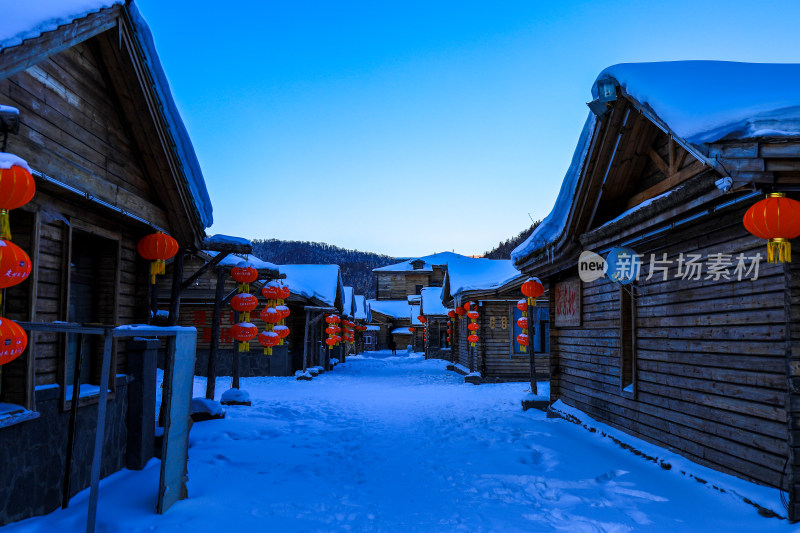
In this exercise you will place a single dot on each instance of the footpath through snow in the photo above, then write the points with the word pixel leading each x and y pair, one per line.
pixel 399 444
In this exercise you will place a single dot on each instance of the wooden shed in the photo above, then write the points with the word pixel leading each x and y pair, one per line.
pixel 394 318
pixel 112 163
pixel 493 285
pixel 699 353
pixel 396 282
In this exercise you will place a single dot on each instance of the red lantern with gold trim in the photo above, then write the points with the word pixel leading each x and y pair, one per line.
pixel 532 288
pixel 244 272
pixel 16 189
pixel 13 340
pixel 522 340
pixel 157 247
pixel 473 326
pixel 460 311
pixel 451 313
pixel 15 265
pixel 523 323
pixel 776 219
pixel 522 305
pixel 268 339
pixel 422 319
pixel 473 339
pixel 244 302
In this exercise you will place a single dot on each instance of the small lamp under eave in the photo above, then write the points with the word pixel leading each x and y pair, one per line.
pixel 776 219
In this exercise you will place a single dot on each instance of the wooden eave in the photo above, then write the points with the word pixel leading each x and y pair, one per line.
pixel 128 77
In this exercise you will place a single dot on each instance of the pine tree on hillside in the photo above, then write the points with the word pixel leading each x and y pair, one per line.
pixel 503 249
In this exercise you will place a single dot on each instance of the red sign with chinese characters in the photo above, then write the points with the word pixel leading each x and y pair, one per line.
pixel 568 303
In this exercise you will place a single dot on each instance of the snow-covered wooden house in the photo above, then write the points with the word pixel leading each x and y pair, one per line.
pixel 493 285
pixel 435 314
pixel 317 291
pixel 112 163
pixel 397 281
pixel 393 317
pixel 700 353
pixel 363 316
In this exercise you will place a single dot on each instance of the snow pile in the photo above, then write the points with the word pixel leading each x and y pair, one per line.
pixel 235 395
pixel 314 282
pixel 391 308
pixel 401 331
pixel 415 314
pixel 334 361
pixel 301 374
pixel 348 299
pixel 228 239
pixel 29 19
pixel 555 223
pixel 395 444
pixel 10 160
pixel 362 309
pixel 641 205
pixel 431 302
pixel 708 101
pixel 204 405
pixel 469 274
pixel 233 260
pixel 438 259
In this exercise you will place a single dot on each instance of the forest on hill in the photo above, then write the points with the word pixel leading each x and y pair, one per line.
pixel 356 265
pixel 503 249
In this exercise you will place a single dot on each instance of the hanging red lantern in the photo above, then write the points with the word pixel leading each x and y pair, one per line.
pixel 17 188
pixel 268 339
pixel 448 331
pixel 330 341
pixel 244 272
pixel 244 332
pixel 244 302
pixel 522 340
pixel 422 319
pixel 270 315
pixel 157 247
pixel 776 219
pixel 271 292
pixel 473 339
pixel 15 265
pixel 411 330
pixel 473 315
pixel 473 326
pixel 460 311
pixel 532 288
pixel 522 305
pixel 523 323
pixel 283 311
pixel 282 331
pixel 467 306
pixel 13 340
pixel 451 313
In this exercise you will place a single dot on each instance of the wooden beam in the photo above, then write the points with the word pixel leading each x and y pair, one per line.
pixel 177 288
pixel 671 145
pixel 227 247
pixel 663 186
pixel 211 370
pixel 660 163
pixel 15 59
pixel 203 269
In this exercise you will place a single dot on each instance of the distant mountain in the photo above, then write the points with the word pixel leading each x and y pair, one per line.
pixel 504 249
pixel 356 265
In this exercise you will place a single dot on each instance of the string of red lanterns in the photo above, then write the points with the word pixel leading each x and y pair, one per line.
pixel 473 325
pixel 532 289
pixel 274 315
pixel 244 302
pixel 522 322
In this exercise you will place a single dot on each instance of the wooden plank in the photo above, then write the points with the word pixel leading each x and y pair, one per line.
pixel 674 180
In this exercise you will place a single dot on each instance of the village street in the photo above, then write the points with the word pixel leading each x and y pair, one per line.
pixel 387 443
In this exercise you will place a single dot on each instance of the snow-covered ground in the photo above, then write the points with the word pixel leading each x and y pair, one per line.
pixel 388 443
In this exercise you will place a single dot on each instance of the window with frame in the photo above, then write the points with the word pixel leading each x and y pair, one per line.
pixel 92 290
pixel 418 289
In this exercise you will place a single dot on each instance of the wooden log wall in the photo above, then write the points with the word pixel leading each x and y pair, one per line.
pixel 399 285
pixel 497 348
pixel 710 375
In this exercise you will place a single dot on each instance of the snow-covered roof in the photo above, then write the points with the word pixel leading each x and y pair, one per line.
pixel 391 308
pixel 228 239
pixel 233 260
pixel 319 282
pixel 32 18
pixel 401 331
pixel 709 101
pixel 414 314
pixel 373 328
pixel 348 302
pixel 470 274
pixel 438 259
pixel 432 302
pixel 414 299
pixel 362 308
pixel 554 224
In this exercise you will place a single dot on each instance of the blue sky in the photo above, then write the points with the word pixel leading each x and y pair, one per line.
pixel 409 127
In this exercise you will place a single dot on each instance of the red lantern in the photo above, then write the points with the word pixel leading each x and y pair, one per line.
pixel 330 341
pixel 532 288
pixel 268 338
pixel 473 339
pixel 271 291
pixel 16 189
pixel 467 306
pixel 523 323
pixel 157 247
pixel 473 315
pixel 522 305
pixel 448 340
pixel 422 319
pixel 522 339
pixel 283 311
pixel 244 302
pixel 244 273
pixel 460 311
pixel 776 219
pixel 244 331
pixel 15 265
pixel 270 315
pixel 336 319
pixel 451 313
pixel 13 340
pixel 411 330
pixel 473 326
pixel 282 331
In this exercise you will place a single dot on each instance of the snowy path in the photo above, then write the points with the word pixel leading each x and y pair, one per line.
pixel 399 444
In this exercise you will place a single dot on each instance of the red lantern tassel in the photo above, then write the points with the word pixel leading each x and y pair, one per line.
pixel 779 251
pixel 5 225
pixel 244 346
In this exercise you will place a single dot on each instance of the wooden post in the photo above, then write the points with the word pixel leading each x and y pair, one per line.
pixel 531 347
pixel 175 296
pixel 97 452
pixel 211 371
pixel 305 341
pixel 235 370
pixel 73 418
